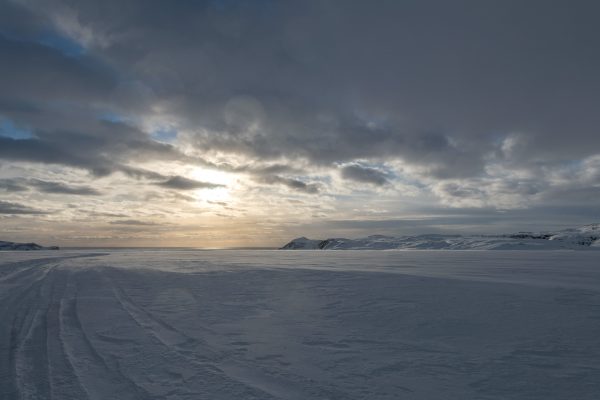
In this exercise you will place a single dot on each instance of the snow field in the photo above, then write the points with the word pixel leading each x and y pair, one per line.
pixel 299 325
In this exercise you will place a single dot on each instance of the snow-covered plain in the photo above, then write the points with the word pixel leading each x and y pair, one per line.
pixel 168 324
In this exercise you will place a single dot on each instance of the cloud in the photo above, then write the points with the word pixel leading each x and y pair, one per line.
pixel 362 174
pixel 100 147
pixel 37 71
pixel 443 120
pixel 106 214
pixel 37 150
pixel 292 95
pixel 133 222
pixel 62 188
pixel 12 185
pixel 16 208
pixel 182 183
pixel 267 121
pixel 293 184
pixel 448 117
pixel 21 184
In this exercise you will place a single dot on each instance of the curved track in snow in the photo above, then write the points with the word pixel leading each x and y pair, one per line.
pixel 266 325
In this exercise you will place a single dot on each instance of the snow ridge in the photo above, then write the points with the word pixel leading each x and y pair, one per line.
pixel 584 237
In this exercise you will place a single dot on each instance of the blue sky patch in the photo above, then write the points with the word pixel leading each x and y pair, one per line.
pixel 10 130
pixel 164 135
pixel 110 116
pixel 65 45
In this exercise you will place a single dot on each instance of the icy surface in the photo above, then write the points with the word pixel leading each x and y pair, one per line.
pixel 583 238
pixel 299 325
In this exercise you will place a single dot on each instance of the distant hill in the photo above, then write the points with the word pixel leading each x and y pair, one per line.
pixel 24 246
pixel 584 237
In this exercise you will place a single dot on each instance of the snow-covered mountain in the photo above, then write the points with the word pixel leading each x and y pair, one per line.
pixel 585 237
pixel 24 246
pixel 302 243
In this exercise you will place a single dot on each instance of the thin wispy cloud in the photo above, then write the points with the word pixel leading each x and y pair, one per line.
pixel 181 183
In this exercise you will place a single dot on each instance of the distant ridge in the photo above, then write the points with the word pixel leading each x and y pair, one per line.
pixel 24 246
pixel 584 237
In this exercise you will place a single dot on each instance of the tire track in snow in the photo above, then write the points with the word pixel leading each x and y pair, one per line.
pixel 64 383
pixel 20 281
pixel 57 355
pixel 15 307
pixel 27 265
pixel 138 356
pixel 96 377
pixel 30 355
pixel 14 274
pixel 176 341
pixel 34 363
pixel 166 334
pixel 205 374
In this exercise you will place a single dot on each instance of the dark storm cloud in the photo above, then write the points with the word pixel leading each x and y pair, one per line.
pixel 31 70
pixel 60 100
pixel 359 173
pixel 457 74
pixel 182 183
pixel 11 105
pixel 37 150
pixel 430 82
pixel 16 208
pixel 449 89
pixel 101 148
pixel 16 20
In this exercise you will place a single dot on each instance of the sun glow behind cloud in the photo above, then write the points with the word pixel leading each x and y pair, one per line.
pixel 218 194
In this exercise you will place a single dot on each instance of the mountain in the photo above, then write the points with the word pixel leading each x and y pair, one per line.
pixel 24 246
pixel 302 243
pixel 585 237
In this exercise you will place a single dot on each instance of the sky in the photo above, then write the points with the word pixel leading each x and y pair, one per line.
pixel 227 123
